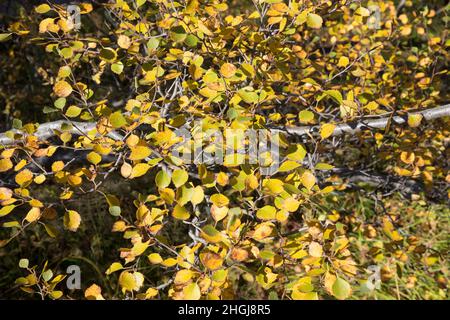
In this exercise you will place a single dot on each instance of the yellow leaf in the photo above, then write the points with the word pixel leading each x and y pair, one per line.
pixel 263 230
pixel 288 166
pixel 138 170
pixel 57 166
pixel 211 260
pixel 33 215
pixel 306 116
pixel 228 70
pixel 329 280
pixel 23 177
pixel 124 41
pixel 327 130
pixel 266 213
pixel 62 89
pixel 308 179
pixel 179 177
pixel 180 213
pixel 210 234
pixel 155 258
pixel 314 21
pixel 219 200
pixel 239 254
pixel 218 213
pixel 131 281
pixel 183 276
pixel 341 289
pixel 115 266
pixel 315 249
pixel 343 62
pixel 203 28
pixel 407 157
pixel 73 111
pixel 22 163
pixel 150 293
pixel 414 120
pixel 43 8
pixel 5 193
pixel 94 292
pixel 170 262
pixel 191 292
pixel 251 182
pixel 298 295
pixel 5 165
pixel 290 204
pixel 126 170
pixel 72 220
pixel 117 119
pixel 140 247
pixel 6 210
pixel 274 185
pixel 364 12
pixel 94 157
pixel 139 153
pixel 197 195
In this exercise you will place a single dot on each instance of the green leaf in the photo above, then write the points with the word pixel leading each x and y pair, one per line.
pixel 73 111
pixel 288 166
pixel 162 179
pixel 67 53
pixel 179 177
pixel 48 109
pixel 47 275
pixel 178 34
pixel 51 230
pixel 17 124
pixel 180 213
pixel 323 166
pixel 248 96
pixel 6 210
pixel 117 119
pixel 108 54
pixel 115 211
pixel 336 95
pixel 192 292
pixel 139 3
pixel 306 116
pixel 117 67
pixel 153 43
pixel 191 40
pixel 60 103
pixel 341 289
pixel 5 36
pixel 266 213
pixel 314 21
pixel 23 263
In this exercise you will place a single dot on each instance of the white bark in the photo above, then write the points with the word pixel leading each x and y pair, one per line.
pixel 47 130
pixel 381 123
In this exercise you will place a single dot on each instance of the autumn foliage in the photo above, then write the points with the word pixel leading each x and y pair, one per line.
pixel 90 165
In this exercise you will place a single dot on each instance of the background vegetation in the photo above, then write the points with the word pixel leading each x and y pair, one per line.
pixel 142 224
